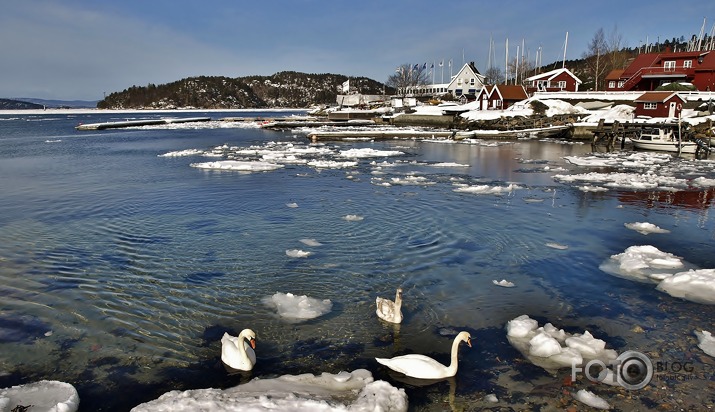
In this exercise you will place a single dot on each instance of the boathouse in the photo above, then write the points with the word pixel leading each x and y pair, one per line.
pixel 659 104
pixel 559 80
pixel 501 96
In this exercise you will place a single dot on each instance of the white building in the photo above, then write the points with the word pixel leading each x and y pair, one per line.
pixel 467 82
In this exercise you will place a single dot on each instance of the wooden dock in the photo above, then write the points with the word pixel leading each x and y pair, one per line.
pixel 135 123
pixel 379 134
pixel 539 132
pixel 291 124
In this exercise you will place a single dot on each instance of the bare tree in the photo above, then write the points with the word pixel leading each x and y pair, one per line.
pixel 408 75
pixel 596 49
pixel 616 57
pixel 493 75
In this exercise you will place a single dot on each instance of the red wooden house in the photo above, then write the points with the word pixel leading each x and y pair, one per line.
pixel 553 81
pixel 649 70
pixel 659 104
pixel 501 96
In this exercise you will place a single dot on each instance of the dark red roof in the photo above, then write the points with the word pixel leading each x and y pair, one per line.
pixel 656 97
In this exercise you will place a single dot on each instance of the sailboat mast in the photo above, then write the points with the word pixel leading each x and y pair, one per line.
pixel 506 62
pixel 563 64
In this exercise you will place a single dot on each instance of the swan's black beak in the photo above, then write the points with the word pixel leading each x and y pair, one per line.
pixel 253 343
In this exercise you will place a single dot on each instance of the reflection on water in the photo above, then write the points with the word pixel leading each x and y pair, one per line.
pixel 121 270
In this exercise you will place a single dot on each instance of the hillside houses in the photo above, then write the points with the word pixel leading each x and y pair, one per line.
pixel 648 71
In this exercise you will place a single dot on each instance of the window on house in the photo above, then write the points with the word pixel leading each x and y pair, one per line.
pixel 562 84
pixel 669 65
pixel 620 84
pixel 687 64
pixel 458 92
pixel 650 106
pixel 612 84
pixel 459 82
pixel 471 82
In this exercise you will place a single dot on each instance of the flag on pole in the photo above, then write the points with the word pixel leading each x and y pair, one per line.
pixel 424 66
pixel 441 63
pixel 431 66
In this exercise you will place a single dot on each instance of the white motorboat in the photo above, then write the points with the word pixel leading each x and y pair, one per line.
pixel 663 139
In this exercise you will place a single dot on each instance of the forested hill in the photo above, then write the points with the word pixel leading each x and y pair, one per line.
pixel 284 89
pixel 10 104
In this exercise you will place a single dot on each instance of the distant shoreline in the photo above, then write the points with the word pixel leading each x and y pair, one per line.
pixel 110 111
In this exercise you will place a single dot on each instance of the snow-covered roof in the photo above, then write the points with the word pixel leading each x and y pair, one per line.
pixel 550 75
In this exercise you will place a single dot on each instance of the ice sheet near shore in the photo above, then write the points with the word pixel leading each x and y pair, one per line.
pixel 345 391
pixel 590 399
pixel 552 348
pixel 671 273
pixel 44 396
pixel 706 342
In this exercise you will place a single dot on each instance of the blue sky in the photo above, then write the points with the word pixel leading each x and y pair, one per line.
pixel 77 49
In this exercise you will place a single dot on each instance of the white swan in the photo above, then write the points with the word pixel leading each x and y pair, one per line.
pixel 389 310
pixel 424 367
pixel 236 352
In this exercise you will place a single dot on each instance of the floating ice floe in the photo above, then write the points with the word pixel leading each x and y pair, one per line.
pixel 41 396
pixel 694 285
pixel 310 242
pixel 588 188
pixel 645 228
pixel 298 308
pixel 181 153
pixel 643 264
pixel 297 253
pixel 640 171
pixel 355 391
pixel 368 152
pixel 590 399
pixel 331 164
pixel 551 348
pixel 504 283
pixel 673 275
pixel 448 164
pixel 292 205
pixel 706 342
pixel 410 180
pixel 558 246
pixel 243 166
pixel 353 218
pixel 486 189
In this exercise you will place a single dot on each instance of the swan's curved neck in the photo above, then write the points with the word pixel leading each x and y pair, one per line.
pixel 454 363
pixel 398 300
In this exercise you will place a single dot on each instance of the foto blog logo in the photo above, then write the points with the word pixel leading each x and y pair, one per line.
pixel 631 370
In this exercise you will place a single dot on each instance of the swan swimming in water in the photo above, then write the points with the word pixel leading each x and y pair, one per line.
pixel 236 352
pixel 424 367
pixel 388 310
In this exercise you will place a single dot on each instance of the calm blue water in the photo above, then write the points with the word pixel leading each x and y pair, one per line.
pixel 120 270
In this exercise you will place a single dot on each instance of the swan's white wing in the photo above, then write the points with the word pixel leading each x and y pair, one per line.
pixel 416 366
